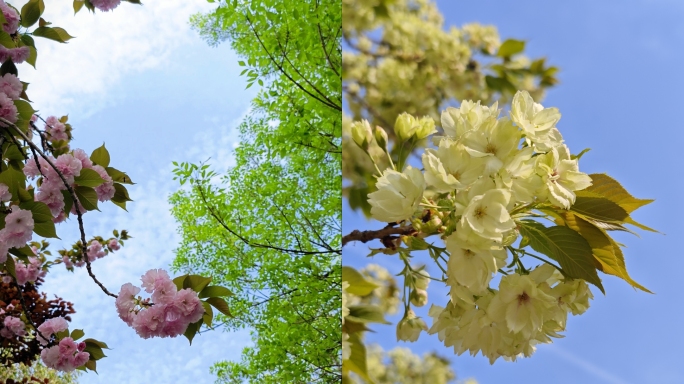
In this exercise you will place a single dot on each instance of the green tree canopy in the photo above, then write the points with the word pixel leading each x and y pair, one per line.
pixel 269 227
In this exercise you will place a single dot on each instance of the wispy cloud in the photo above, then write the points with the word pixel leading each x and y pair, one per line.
pixel 586 365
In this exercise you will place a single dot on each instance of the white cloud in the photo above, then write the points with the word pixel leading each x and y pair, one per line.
pixel 107 47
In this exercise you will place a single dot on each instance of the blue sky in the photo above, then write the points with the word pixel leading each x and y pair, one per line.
pixel 620 95
pixel 140 80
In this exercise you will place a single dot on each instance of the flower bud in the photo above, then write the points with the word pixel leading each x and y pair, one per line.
pixel 419 297
pixel 410 326
pixel 421 279
pixel 381 137
pixel 405 126
pixel 426 127
pixel 362 133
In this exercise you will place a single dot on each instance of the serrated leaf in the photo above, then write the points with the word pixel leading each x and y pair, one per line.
pixel 215 291
pixel 77 334
pixel 8 67
pixel 609 188
pixel 31 59
pixel 24 109
pixel 99 343
pixel 118 176
pixel 31 11
pixel 40 211
pixel 91 364
pixel 87 197
pixel 45 229
pixel 95 351
pixel 89 178
pixel 53 33
pixel 597 207
pixel 100 156
pixel 219 304
pixel 179 281
pixel 191 331
pixel 568 248
pixel 13 153
pixel 196 282
pixel 366 314
pixel 14 180
pixel 510 47
pixel 6 40
pixel 208 316
pixel 78 4
pixel 603 249
pixel 358 285
pixel 9 266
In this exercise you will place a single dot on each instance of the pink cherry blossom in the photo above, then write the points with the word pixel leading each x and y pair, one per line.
pixel 81 155
pixel 50 327
pixel 114 245
pixel 5 194
pixel 105 5
pixel 8 110
pixel 105 191
pixel 95 251
pixel 56 129
pixel 189 304
pixel 28 273
pixel 13 327
pixel 125 303
pixel 11 18
pixel 64 357
pixel 10 85
pixel 153 278
pixel 18 228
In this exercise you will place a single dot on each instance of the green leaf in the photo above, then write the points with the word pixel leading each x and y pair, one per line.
pixel 191 331
pixel 120 195
pixel 9 266
pixel 357 360
pixel 24 109
pixel 89 178
pixel 45 229
pixel 215 291
pixel 118 176
pixel 510 47
pixel 14 180
pixel 603 249
pixel 567 247
pixel 208 316
pixel 179 281
pixel 28 40
pixel 77 334
pixel 91 364
pixel 609 188
pixel 358 285
pixel 33 56
pixel 87 197
pixel 598 207
pixel 100 344
pixel 13 153
pixel 8 67
pixel 6 40
pixel 196 282
pixel 53 33
pixel 100 156
pixel 31 11
pixel 219 304
pixel 367 314
pixel 95 351
pixel 78 4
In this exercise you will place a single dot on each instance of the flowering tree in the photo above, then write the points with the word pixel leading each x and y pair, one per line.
pixel 497 203
pixel 44 182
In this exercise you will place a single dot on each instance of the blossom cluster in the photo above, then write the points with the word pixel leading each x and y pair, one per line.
pixel 70 166
pixel 18 230
pixel 65 356
pixel 485 170
pixel 169 312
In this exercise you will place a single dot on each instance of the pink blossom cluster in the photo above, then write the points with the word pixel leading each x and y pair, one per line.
pixel 10 89
pixel 66 356
pixel 49 328
pixel 28 273
pixel 170 312
pixel 105 5
pixel 11 18
pixel 18 230
pixel 18 55
pixel 13 326
pixel 55 129
pixel 70 166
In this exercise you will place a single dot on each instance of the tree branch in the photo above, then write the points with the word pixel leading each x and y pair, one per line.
pixel 381 234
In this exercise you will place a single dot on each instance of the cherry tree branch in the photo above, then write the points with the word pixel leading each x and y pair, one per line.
pixel 380 234
pixel 72 193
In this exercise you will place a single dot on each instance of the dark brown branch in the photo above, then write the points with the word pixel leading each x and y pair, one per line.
pixel 366 236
